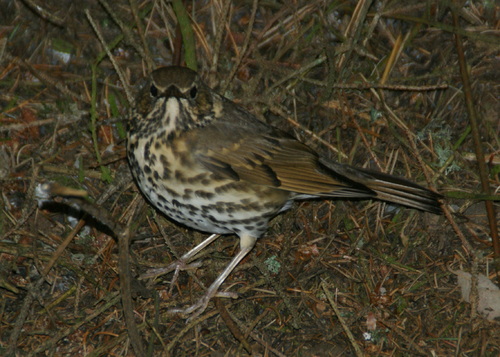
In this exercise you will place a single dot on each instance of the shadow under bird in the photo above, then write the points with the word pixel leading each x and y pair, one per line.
pixel 209 164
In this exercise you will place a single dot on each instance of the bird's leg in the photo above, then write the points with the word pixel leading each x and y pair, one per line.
pixel 246 244
pixel 182 263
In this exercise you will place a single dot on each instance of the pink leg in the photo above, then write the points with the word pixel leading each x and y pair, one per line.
pixel 246 244
pixel 180 264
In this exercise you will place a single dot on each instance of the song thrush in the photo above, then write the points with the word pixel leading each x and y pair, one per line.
pixel 209 164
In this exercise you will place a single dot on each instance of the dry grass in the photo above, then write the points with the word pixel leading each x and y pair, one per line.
pixel 326 272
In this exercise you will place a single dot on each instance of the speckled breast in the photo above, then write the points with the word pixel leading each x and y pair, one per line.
pixel 184 190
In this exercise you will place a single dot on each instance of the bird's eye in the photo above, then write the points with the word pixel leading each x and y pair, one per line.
pixel 154 90
pixel 193 92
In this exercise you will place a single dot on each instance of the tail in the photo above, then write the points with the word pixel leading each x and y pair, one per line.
pixel 392 188
pixel 404 192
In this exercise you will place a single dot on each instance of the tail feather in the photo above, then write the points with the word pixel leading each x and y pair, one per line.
pixel 392 188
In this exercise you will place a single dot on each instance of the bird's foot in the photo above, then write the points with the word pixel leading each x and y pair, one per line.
pixel 200 306
pixel 176 267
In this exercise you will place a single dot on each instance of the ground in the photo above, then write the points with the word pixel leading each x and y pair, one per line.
pixel 376 84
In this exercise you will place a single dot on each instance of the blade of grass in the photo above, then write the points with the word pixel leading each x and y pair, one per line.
pixel 187 34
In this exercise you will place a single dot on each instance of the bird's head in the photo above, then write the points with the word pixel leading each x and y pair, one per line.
pixel 177 100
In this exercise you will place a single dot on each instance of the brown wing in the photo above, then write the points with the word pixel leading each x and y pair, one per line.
pixel 249 150
pixel 257 153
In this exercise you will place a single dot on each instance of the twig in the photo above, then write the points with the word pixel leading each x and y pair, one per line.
pixel 110 300
pixel 468 248
pixel 231 325
pixel 122 235
pixel 353 30
pixel 268 346
pixel 24 126
pixel 140 30
pixel 281 112
pixel 218 40
pixel 405 337
pixel 244 48
pixel 490 208
pixel 44 14
pixel 44 78
pixel 348 332
pixel 117 68
pixel 197 322
pixel 127 33
pixel 33 288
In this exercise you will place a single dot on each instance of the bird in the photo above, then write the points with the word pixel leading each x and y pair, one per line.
pixel 209 164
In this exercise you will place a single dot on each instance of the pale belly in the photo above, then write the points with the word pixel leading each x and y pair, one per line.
pixel 193 196
pixel 231 212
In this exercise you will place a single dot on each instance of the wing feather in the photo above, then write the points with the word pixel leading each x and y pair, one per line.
pixel 259 154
